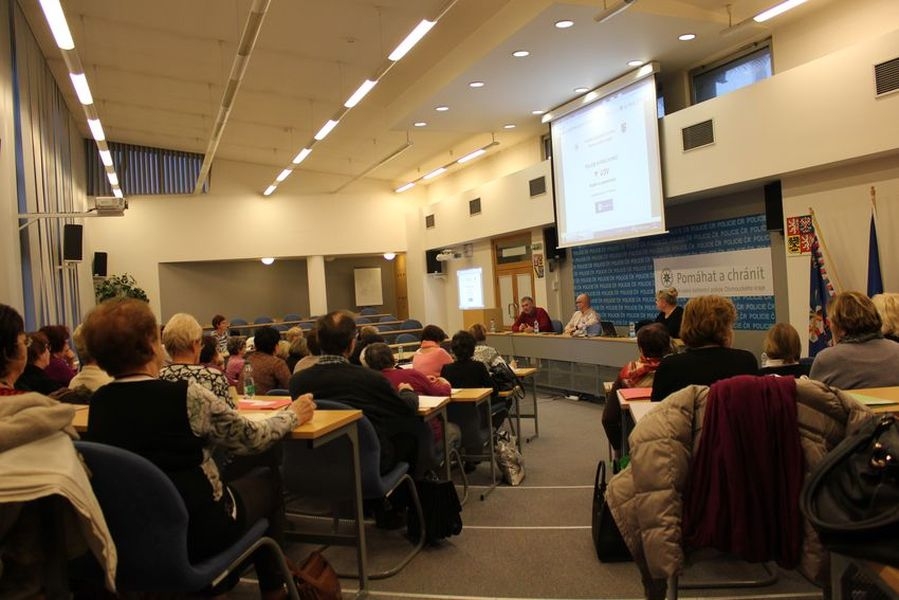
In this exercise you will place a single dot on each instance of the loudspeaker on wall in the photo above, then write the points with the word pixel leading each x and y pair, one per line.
pixel 551 239
pixel 774 207
pixel 71 242
pixel 433 265
pixel 99 266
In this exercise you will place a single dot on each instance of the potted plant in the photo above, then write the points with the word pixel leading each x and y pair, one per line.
pixel 118 286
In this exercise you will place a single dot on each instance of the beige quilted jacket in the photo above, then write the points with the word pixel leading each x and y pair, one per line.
pixel 646 500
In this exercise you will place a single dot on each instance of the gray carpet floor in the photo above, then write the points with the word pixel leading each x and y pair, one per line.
pixel 531 541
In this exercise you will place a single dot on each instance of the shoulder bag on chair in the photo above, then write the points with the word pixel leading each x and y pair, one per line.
pixel 610 546
pixel 316 579
pixel 852 497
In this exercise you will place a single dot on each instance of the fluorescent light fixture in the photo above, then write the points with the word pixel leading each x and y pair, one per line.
pixel 326 129
pixel 476 84
pixel 420 124
pixel 267 260
pixel 283 175
pixel 359 94
pixel 564 24
pixel 686 37
pixel 413 38
pixel 268 191
pixel 776 10
pixel 96 129
pixel 117 193
pixel 435 173
pixel 58 25
pixel 537 112
pixel 112 177
pixel 509 126
pixel 82 89
pixel 106 157
pixel 404 187
pixel 441 108
pixel 581 90
pixel 389 255
pixel 609 12
pixel 635 63
pixel 520 53
pixel 301 155
pixel 471 156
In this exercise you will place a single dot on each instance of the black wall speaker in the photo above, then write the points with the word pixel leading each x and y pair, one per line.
pixel 99 266
pixel 551 239
pixel 71 242
pixel 774 207
pixel 433 265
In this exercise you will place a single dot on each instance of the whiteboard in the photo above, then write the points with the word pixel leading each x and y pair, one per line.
pixel 368 286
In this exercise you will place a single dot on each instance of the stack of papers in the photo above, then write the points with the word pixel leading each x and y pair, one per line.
pixel 264 403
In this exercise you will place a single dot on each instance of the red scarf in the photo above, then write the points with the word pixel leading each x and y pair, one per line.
pixel 633 373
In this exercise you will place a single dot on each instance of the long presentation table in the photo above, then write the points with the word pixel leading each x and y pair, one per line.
pixel 325 426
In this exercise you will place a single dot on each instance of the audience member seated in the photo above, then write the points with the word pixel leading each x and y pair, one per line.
pixel 220 327
pixel 393 413
pixel 13 350
pixel 431 357
pixel 583 318
pixel 282 350
pixel 482 352
pixel 781 352
pixel 653 343
pixel 62 360
pixel 708 333
pixel 888 308
pixel 237 348
pixel 183 338
pixel 209 354
pixel 365 335
pixel 297 349
pixel 466 372
pixel 91 376
pixel 530 314
pixel 269 371
pixel 670 314
pixel 176 425
pixel 860 357
pixel 34 378
pixel 314 352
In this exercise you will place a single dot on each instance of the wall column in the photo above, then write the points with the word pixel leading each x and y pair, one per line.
pixel 318 291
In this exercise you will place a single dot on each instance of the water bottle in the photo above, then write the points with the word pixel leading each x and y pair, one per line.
pixel 536 326
pixel 631 330
pixel 249 386
pixel 492 326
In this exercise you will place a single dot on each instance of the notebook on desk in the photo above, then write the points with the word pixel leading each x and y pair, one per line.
pixel 608 329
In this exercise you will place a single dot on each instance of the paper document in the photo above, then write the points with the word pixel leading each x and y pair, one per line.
pixel 431 401
pixel 264 404
pixel 871 400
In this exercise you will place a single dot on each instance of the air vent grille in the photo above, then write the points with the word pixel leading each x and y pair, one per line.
pixel 696 136
pixel 429 222
pixel 537 186
pixel 886 77
pixel 474 206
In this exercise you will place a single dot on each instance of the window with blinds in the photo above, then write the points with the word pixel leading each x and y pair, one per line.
pixel 144 171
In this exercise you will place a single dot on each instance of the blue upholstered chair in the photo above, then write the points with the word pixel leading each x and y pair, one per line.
pixel 369 310
pixel 292 317
pixel 387 318
pixel 148 522
pixel 278 392
pixel 557 325
pixel 263 320
pixel 407 338
pixel 316 473
pixel 410 324
pixel 593 330
pixel 363 321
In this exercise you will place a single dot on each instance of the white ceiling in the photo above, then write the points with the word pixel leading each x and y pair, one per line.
pixel 158 69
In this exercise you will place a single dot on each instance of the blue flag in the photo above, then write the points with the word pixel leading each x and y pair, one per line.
pixel 875 279
pixel 819 336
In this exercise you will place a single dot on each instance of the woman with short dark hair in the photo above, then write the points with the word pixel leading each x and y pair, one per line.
pixel 860 356
pixel 466 372
pixel 13 349
pixel 431 357
pixel 34 378
pixel 62 360
pixel 269 371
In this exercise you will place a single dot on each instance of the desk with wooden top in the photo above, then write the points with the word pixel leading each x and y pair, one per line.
pixel 476 396
pixel 324 427
pixel 881 393
pixel 432 407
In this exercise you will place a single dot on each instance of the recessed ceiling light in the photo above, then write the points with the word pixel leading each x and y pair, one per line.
pixel 635 63
pixel 581 90
pixel 520 53
pixel 537 112
pixel 686 37
pixel 420 124
pixel 441 108
pixel 564 24
pixel 476 84
pixel 509 126
pixel 267 260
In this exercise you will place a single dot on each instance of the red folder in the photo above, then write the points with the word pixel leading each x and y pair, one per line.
pixel 263 403
pixel 639 393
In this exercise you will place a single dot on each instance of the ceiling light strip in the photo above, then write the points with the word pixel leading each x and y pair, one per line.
pixel 441 170
pixel 238 68
pixel 375 166
pixel 56 19
pixel 406 45
pixel 610 12
pixel 761 17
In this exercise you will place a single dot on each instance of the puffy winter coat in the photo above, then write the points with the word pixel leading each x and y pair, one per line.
pixel 646 499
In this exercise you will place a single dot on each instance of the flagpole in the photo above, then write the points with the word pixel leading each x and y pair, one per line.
pixel 832 273
pixel 874 202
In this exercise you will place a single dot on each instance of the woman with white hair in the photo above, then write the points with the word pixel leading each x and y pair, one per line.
pixel 183 340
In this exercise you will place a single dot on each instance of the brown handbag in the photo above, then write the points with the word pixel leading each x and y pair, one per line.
pixel 316 579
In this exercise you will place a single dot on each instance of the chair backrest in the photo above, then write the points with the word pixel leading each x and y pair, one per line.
pixel 411 324
pixel 292 317
pixel 369 310
pixel 146 517
pixel 557 325
pixel 387 318
pixel 278 392
pixel 406 338
pixel 593 330
pixel 239 321
pixel 363 320
pixel 387 327
pixel 262 320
